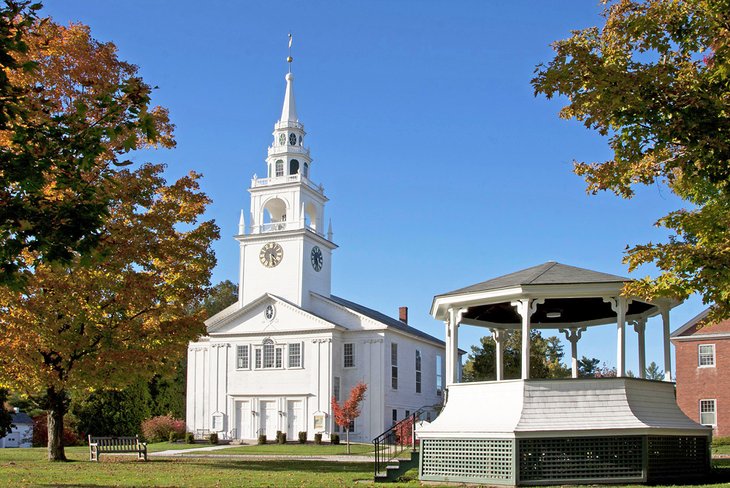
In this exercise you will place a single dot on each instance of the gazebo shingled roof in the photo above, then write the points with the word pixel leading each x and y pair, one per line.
pixel 550 273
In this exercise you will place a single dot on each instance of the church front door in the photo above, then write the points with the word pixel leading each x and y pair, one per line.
pixel 268 418
pixel 294 417
pixel 243 425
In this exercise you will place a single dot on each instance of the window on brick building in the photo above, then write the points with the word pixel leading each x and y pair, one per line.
pixel 707 412
pixel 706 355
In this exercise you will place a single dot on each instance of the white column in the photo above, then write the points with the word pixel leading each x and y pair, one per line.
pixel 667 351
pixel 499 336
pixel 619 305
pixel 455 363
pixel 449 341
pixel 525 308
pixel 640 328
pixel 573 335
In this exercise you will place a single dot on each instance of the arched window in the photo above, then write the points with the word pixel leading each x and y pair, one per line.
pixel 305 170
pixel 268 346
pixel 293 167
pixel 279 167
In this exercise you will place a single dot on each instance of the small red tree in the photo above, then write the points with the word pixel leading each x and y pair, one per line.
pixel 350 410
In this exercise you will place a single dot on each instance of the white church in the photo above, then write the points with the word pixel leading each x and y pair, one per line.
pixel 273 360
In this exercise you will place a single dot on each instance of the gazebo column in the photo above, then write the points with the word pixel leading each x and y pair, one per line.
pixel 452 346
pixel 573 335
pixel 620 305
pixel 526 307
pixel 499 336
pixel 664 309
pixel 447 358
pixel 640 328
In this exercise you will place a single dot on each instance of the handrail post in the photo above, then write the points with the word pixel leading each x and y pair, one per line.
pixel 413 432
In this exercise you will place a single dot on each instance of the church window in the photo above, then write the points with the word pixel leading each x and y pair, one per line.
pixel 336 388
pixel 242 361
pixel 293 167
pixel 394 366
pixel 305 170
pixel 258 358
pixel 348 359
pixel 439 376
pixel 351 427
pixel 295 355
pixel 279 167
pixel 278 357
pixel 707 412
pixel 268 353
pixel 706 355
pixel 418 371
pixel 395 416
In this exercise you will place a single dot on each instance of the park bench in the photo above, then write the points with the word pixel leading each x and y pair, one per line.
pixel 116 445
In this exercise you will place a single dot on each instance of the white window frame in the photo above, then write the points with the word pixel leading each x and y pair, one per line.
pixel 279 168
pixel 439 375
pixel 336 384
pixel 706 402
pixel 277 355
pixel 394 365
pixel 351 356
pixel 300 355
pixel 705 355
pixel 419 361
pixel 243 361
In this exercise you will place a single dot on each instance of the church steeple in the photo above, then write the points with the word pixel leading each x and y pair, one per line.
pixel 289 111
pixel 287 250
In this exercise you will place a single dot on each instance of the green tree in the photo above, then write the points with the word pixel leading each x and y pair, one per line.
pixel 220 297
pixel 655 79
pixel 109 412
pixel 654 373
pixel 545 358
pixel 70 112
pixel 6 419
pixel 587 367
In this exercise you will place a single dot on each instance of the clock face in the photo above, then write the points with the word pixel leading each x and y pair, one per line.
pixel 317 258
pixel 282 139
pixel 292 139
pixel 271 254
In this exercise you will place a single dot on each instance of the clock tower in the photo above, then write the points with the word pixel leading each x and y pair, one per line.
pixel 285 250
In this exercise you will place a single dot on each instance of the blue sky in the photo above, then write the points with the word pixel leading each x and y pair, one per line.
pixel 441 166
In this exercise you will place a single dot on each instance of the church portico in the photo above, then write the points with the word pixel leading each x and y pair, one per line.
pixel 577 430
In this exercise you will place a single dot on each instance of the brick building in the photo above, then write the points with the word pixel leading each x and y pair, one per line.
pixel 703 372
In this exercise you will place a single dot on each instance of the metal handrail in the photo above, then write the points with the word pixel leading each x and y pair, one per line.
pixel 394 441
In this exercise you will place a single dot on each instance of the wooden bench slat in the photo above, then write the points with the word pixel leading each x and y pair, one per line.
pixel 115 445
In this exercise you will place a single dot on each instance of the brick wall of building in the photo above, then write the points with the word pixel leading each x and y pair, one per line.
pixel 695 383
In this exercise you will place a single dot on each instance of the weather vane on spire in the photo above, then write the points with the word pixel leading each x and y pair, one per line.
pixel 289 59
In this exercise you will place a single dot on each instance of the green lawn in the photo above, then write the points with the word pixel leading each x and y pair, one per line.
pixel 724 449
pixel 299 449
pixel 29 468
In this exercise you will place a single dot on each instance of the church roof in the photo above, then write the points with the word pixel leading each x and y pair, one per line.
pixel 384 319
pixel 550 273
pixel 21 418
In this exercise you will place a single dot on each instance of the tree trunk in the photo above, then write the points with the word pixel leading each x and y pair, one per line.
pixel 57 406
pixel 347 436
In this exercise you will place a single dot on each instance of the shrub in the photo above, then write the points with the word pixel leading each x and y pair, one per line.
pixel 189 438
pixel 158 429
pixel 303 437
pixel 262 438
pixel 213 439
pixel 282 438
pixel 335 439
pixel 720 441
pixel 172 437
pixel 40 433
pixel 318 438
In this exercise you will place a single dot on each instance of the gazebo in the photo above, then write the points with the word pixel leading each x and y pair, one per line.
pixel 536 431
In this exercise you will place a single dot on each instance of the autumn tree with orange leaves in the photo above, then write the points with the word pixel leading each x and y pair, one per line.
pixel 350 410
pixel 120 313
pixel 70 112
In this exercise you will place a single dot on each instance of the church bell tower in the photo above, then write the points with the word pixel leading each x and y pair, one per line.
pixel 285 250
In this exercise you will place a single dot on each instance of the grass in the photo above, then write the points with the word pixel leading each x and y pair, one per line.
pixel 293 449
pixel 722 449
pixel 29 468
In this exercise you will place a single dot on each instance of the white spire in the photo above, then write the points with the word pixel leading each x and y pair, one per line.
pixel 289 111
pixel 241 224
